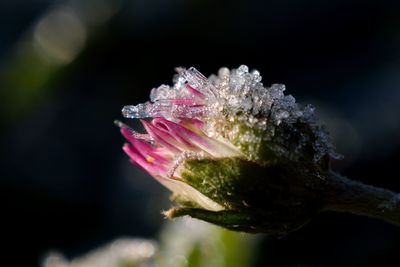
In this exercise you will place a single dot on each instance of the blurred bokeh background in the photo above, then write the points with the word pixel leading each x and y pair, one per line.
pixel 67 67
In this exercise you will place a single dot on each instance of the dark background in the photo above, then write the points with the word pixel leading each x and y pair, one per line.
pixel 65 183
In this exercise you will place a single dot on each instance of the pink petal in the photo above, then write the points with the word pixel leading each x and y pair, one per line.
pixel 149 152
pixel 180 133
pixel 194 125
pixel 187 102
pixel 144 147
pixel 130 134
pixel 138 158
pixel 195 92
pixel 161 137
pixel 196 122
pixel 197 139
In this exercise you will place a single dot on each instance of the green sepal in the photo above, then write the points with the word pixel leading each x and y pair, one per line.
pixel 239 184
pixel 273 224
pixel 276 199
pixel 272 145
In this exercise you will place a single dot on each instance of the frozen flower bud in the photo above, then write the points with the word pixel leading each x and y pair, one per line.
pixel 233 152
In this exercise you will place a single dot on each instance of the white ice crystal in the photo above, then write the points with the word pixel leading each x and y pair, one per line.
pixel 237 96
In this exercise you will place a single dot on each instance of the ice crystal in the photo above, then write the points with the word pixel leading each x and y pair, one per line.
pixel 236 97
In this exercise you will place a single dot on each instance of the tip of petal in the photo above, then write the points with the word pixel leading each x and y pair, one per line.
pixel 120 124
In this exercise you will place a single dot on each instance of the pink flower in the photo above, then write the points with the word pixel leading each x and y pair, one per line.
pixel 177 132
pixel 227 146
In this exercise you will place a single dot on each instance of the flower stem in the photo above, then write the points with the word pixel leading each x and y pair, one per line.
pixel 345 195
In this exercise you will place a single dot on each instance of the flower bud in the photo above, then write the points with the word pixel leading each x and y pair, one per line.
pixel 232 151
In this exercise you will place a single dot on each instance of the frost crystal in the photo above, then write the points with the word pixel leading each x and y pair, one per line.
pixel 235 106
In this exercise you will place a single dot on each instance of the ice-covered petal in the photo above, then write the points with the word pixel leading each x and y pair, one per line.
pixel 130 134
pixel 186 102
pixel 198 82
pixel 195 92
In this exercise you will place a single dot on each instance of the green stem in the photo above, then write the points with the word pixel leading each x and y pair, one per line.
pixel 345 195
